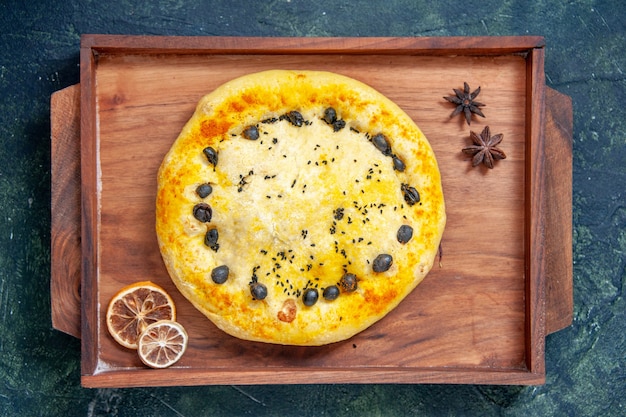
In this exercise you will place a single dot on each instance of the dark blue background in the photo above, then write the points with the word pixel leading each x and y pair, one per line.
pixel 585 59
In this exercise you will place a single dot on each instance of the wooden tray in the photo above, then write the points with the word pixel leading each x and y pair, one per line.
pixel 505 280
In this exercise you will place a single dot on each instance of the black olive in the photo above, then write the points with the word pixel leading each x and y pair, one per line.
pixel 310 297
pixel 398 165
pixel 219 275
pixel 210 239
pixel 258 290
pixel 382 263
pixel 295 118
pixel 331 293
pixel 405 233
pixel 251 133
pixel 348 282
pixel 338 125
pixel 204 190
pixel 202 212
pixel 411 196
pixel 211 155
pixel 330 115
pixel 381 143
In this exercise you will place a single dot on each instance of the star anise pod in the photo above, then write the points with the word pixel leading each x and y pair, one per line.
pixel 484 148
pixel 465 102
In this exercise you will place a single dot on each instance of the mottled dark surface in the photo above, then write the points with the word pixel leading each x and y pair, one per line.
pixel 585 59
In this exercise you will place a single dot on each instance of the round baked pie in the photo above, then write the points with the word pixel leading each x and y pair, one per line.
pixel 298 207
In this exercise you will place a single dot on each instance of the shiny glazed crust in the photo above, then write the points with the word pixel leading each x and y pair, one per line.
pixel 299 199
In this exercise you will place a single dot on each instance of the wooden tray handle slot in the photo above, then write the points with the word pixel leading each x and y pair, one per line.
pixel 558 211
pixel 65 252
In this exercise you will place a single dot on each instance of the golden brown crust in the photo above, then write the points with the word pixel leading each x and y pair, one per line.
pixel 298 207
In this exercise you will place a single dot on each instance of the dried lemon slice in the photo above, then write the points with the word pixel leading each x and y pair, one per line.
pixel 162 344
pixel 134 308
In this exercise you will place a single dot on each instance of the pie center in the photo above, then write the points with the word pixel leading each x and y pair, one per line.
pixel 294 169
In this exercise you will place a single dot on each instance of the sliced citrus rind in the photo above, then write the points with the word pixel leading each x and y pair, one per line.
pixel 162 344
pixel 133 308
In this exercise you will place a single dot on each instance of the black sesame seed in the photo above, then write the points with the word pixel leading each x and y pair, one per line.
pixel 219 275
pixel 310 297
pixel 405 233
pixel 331 293
pixel 258 290
pixel 382 263
pixel 202 212
pixel 348 282
pixel 251 133
pixel 204 190
pixel 211 155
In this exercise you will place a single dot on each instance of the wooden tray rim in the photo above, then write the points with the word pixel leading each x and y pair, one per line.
pixel 226 45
